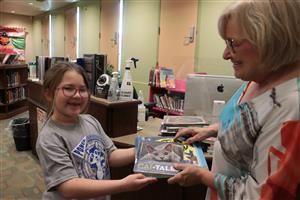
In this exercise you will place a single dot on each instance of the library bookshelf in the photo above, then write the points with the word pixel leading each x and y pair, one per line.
pixel 13 89
pixel 168 101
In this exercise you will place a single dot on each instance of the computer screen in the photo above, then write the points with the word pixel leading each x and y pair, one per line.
pixel 204 93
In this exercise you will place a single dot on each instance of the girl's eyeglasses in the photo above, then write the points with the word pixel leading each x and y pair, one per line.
pixel 69 91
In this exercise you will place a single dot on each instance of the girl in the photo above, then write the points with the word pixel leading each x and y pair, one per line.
pixel 72 147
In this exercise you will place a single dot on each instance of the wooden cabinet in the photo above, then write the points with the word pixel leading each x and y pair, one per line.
pixel 117 118
pixel 168 101
pixel 13 89
pixel 36 101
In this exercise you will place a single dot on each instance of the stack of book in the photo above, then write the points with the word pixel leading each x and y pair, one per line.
pixel 171 124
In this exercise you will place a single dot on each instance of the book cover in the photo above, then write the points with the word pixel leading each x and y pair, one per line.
pixel 167 78
pixel 155 156
pixel 170 120
pixel 170 80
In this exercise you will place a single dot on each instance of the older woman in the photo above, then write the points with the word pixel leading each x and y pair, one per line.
pixel 257 154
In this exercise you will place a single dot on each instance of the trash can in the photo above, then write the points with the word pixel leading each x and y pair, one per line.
pixel 20 129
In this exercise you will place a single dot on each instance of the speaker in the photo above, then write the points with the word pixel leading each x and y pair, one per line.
pixel 95 66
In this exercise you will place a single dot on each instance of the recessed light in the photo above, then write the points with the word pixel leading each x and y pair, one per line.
pixel 30 3
pixel 12 11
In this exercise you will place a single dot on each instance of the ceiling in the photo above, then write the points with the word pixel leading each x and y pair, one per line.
pixel 31 7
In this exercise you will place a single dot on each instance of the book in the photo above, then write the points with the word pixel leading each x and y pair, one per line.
pixel 2 56
pixel 6 57
pixel 167 78
pixel 10 59
pixel 170 120
pixel 156 156
pixel 157 78
pixel 171 124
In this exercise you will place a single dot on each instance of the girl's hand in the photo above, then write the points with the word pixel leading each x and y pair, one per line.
pixel 135 182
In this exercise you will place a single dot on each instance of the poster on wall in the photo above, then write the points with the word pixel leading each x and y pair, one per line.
pixel 12 42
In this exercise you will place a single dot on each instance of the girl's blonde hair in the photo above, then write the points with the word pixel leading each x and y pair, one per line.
pixel 273 26
pixel 54 76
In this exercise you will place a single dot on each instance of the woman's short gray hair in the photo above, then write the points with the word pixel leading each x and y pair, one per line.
pixel 273 26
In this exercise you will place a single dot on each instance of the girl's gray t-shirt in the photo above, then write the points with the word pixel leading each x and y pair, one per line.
pixel 73 151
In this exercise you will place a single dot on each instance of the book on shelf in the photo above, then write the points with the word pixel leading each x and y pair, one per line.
pixel 171 124
pixel 13 59
pixel 13 95
pixel 9 58
pixel 5 58
pixel 156 78
pixel 2 56
pixel 151 78
pixel 167 78
pixel 156 156
pixel 13 79
pixel 170 103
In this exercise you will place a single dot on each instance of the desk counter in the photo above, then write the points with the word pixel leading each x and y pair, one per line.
pixel 150 129
pixel 160 190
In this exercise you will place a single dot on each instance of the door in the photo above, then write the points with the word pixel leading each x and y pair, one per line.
pixel 109 21
pixel 45 35
pixel 70 33
pixel 178 22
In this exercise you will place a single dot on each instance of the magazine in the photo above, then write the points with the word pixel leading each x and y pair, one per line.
pixel 155 156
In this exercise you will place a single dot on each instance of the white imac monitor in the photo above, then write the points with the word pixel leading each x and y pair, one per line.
pixel 206 94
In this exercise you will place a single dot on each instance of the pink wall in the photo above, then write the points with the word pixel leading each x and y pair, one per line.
pixel 21 21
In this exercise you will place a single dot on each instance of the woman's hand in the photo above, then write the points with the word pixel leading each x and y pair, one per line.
pixel 135 182
pixel 197 134
pixel 192 175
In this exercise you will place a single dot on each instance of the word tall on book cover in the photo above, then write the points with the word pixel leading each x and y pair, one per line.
pixel 155 156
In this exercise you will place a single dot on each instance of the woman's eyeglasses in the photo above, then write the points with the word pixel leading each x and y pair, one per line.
pixel 69 91
pixel 232 43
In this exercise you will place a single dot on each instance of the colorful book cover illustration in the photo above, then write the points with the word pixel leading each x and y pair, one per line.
pixel 167 78
pixel 156 156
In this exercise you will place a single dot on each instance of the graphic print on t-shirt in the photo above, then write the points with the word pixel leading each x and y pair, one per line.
pixel 91 158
